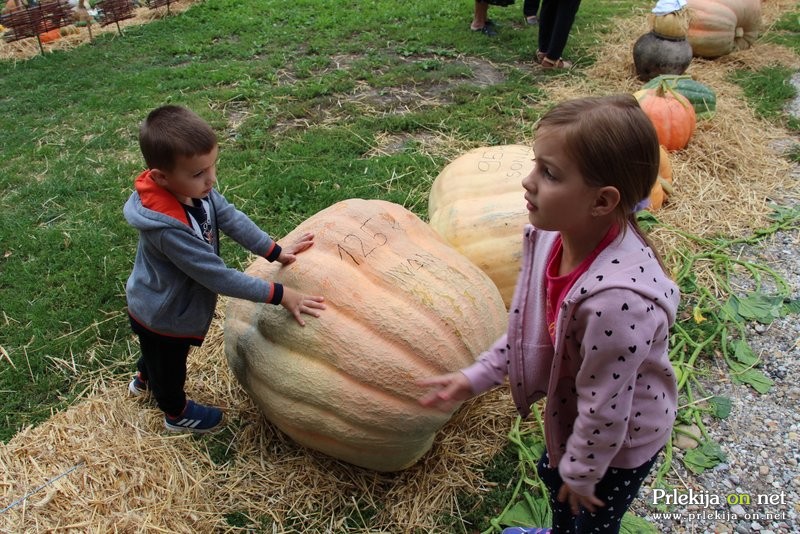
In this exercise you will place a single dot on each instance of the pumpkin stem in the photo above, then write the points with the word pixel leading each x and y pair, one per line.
pixel 666 87
pixel 666 186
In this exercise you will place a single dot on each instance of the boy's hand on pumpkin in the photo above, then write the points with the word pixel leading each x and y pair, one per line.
pixel 297 303
pixel 451 389
pixel 289 252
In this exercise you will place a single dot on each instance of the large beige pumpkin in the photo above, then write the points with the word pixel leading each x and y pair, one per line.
pixel 476 204
pixel 401 305
pixel 719 27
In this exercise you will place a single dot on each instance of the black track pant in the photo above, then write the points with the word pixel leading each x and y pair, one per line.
pixel 163 365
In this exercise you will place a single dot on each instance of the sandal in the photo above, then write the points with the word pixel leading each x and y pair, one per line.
pixel 540 56
pixel 487 29
pixel 559 63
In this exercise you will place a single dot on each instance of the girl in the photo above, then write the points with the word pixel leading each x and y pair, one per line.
pixel 589 321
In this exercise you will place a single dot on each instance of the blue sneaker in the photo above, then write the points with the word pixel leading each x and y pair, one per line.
pixel 195 418
pixel 138 387
pixel 524 530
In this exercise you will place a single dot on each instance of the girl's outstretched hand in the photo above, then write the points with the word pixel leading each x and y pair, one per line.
pixel 576 500
pixel 298 303
pixel 289 252
pixel 449 391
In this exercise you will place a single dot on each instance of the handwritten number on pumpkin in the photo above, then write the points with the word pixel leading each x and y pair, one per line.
pixel 374 240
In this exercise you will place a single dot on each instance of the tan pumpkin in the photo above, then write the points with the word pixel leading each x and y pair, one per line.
pixel 719 27
pixel 476 204
pixel 401 305
pixel 663 186
pixel 673 25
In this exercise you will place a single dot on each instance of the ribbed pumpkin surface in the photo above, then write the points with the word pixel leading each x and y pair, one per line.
pixel 401 305
pixel 719 27
pixel 476 204
pixel 671 113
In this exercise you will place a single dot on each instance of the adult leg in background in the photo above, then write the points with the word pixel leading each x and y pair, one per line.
pixel 555 22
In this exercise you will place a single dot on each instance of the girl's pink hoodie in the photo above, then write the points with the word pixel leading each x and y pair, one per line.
pixel 610 388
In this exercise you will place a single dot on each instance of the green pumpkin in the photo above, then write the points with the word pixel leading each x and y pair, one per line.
pixel 702 97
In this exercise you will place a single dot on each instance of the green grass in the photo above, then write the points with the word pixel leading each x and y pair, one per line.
pixel 284 74
pixel 768 90
pixel 300 92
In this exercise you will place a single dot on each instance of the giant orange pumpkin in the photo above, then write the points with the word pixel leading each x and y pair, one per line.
pixel 476 204
pixel 719 27
pixel 671 113
pixel 401 305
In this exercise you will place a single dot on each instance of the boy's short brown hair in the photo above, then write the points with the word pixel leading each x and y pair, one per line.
pixel 172 131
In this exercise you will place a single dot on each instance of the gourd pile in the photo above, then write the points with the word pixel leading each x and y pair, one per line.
pixel 699 28
pixel 674 101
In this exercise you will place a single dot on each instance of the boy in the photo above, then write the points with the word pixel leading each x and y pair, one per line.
pixel 177 274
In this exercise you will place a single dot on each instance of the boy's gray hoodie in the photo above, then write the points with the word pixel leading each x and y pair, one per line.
pixel 176 275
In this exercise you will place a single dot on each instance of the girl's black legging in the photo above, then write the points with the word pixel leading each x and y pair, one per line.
pixel 616 489
pixel 555 22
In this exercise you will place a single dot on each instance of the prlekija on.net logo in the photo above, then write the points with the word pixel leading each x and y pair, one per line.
pixel 704 498
pixel 703 505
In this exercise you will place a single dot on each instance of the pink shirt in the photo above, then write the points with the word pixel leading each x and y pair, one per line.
pixel 559 286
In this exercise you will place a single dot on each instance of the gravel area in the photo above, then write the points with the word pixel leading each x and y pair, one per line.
pixel 761 437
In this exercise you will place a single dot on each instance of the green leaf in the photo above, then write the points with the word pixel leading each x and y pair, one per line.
pixel 647 221
pixel 784 213
pixel 685 417
pixel 755 378
pixel 706 456
pixel 518 515
pixel 730 311
pixel 760 307
pixel 743 353
pixel 632 524
pixel 721 406
pixel 530 511
pixel 788 308
pixel 688 283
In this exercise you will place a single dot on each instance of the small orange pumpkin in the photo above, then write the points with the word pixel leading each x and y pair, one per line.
pixel 50 36
pixel 671 113
pixel 663 186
